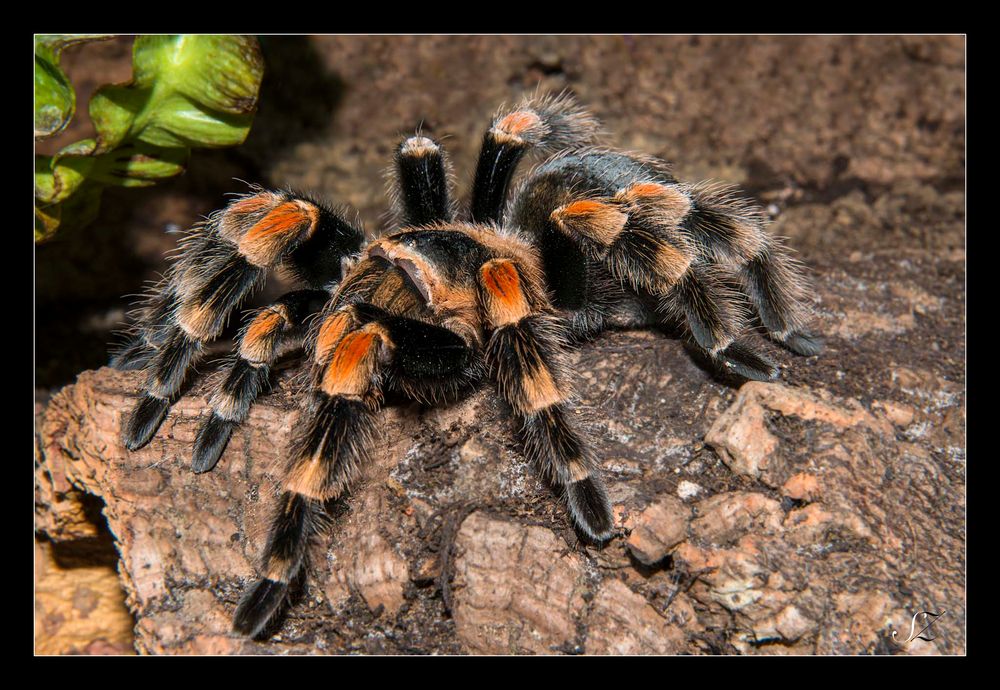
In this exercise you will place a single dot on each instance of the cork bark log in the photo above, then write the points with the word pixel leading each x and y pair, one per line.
pixel 816 514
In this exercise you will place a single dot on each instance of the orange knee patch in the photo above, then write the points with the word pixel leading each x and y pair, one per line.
pixel 263 243
pixel 288 218
pixel 259 340
pixel 644 190
pixel 330 333
pixel 594 220
pixel 240 215
pixel 350 368
pixel 515 126
pixel 583 209
pixel 505 300
pixel 253 204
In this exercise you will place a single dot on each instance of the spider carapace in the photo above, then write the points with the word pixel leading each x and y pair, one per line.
pixel 590 238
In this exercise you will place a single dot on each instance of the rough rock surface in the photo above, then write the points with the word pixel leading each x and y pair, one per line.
pixel 659 528
pixel 815 514
pixel 518 588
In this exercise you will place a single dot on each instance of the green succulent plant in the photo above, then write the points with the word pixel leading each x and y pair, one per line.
pixel 186 91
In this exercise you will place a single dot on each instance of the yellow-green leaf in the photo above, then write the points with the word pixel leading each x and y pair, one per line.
pixel 139 165
pixel 186 91
pixel 55 100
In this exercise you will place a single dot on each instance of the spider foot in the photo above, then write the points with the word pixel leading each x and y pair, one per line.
pixel 211 441
pixel 803 343
pixel 145 419
pixel 258 606
pixel 744 360
pixel 591 510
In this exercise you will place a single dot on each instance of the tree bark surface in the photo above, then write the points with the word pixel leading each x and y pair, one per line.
pixel 817 513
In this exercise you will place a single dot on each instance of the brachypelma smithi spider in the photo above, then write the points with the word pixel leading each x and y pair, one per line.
pixel 591 238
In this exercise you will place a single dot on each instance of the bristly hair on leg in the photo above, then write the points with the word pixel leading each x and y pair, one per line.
pixel 420 182
pixel 293 524
pixel 213 436
pixel 272 330
pixel 565 460
pixel 150 319
pixel 258 607
pixel 547 124
pixel 220 263
pixel 772 280
pixel 746 361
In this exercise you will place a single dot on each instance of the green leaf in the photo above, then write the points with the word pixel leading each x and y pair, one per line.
pixel 139 165
pixel 220 73
pixel 46 221
pixel 44 179
pixel 186 91
pixel 113 111
pixel 57 177
pixel 79 210
pixel 69 183
pixel 55 100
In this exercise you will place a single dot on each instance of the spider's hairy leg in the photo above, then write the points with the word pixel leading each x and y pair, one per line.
pixel 198 317
pixel 525 354
pixel 637 235
pixel 731 229
pixel 295 519
pixel 328 448
pixel 716 318
pixel 774 284
pixel 220 263
pixel 421 181
pixel 547 124
pixel 145 338
pixel 273 330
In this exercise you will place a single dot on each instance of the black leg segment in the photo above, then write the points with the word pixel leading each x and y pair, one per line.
pixel 423 181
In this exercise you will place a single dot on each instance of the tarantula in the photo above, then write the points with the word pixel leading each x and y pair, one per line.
pixel 592 238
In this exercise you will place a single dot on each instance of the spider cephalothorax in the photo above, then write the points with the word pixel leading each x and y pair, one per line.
pixel 591 238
